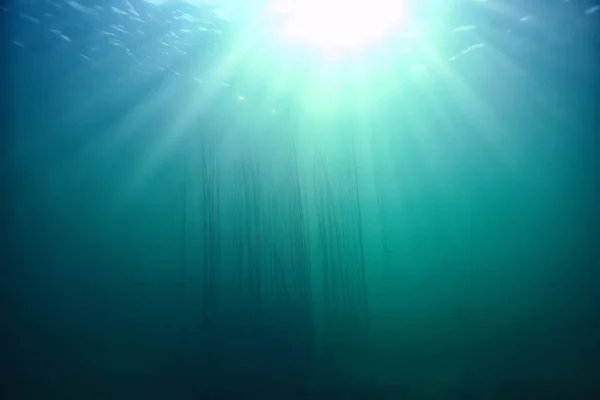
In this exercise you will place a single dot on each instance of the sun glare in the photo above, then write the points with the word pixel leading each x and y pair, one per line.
pixel 336 23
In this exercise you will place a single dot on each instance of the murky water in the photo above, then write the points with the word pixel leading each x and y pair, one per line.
pixel 198 213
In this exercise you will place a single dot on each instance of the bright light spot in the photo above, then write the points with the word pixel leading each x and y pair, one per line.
pixel 337 23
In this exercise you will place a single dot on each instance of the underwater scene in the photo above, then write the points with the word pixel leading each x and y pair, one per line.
pixel 279 199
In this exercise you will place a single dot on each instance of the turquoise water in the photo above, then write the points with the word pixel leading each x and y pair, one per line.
pixel 183 230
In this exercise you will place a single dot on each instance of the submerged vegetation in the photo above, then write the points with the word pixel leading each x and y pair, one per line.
pixel 276 245
pixel 199 209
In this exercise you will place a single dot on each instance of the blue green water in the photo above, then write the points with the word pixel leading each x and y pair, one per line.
pixel 190 221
